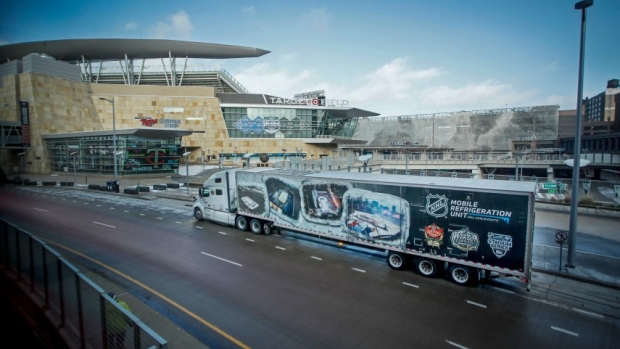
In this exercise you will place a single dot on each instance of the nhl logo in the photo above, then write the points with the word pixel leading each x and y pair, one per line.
pixel 436 205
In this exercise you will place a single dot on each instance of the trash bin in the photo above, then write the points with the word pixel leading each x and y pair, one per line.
pixel 116 186
pixel 108 185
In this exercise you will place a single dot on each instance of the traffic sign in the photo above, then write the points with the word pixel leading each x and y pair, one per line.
pixel 550 185
pixel 561 236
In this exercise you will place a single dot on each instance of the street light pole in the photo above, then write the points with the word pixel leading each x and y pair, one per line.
pixel 21 167
pixel 73 154
pixel 187 170
pixel 113 135
pixel 572 234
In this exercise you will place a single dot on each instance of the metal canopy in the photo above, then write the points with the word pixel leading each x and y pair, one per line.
pixel 155 133
pixel 115 49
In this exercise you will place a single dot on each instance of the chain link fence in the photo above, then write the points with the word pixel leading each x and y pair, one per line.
pixel 83 313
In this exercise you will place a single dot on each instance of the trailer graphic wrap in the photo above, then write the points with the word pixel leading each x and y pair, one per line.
pixel 483 227
pixel 437 205
pixel 474 225
pixel 500 244
pixel 377 217
pixel 433 235
pixel 322 201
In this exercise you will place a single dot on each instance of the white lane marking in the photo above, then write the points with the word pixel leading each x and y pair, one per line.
pixel 158 218
pixel 503 290
pixel 280 248
pixel 222 259
pixel 112 208
pixel 477 304
pixel 223 233
pixel 40 209
pixel 246 239
pixel 85 203
pixel 141 214
pixel 360 270
pixel 178 222
pixel 411 285
pixel 74 201
pixel 125 211
pixel 456 344
pixel 105 225
pixel 589 313
pixel 199 227
pixel 98 205
pixel 559 329
pixel 317 258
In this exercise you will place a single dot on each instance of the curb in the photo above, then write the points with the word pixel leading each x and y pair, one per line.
pixel 577 278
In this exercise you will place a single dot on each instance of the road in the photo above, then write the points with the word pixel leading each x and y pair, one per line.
pixel 232 289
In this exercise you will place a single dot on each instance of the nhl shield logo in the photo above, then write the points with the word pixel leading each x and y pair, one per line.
pixel 436 205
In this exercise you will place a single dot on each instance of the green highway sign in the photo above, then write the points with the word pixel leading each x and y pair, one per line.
pixel 550 186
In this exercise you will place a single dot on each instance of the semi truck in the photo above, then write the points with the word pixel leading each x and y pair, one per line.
pixel 467 228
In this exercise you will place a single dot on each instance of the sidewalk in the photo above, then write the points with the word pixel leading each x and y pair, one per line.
pixel 593 285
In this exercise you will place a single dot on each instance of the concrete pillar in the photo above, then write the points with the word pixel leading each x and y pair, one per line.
pixel 476 172
pixel 549 174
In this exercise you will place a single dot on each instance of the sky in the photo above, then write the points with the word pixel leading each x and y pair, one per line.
pixel 390 57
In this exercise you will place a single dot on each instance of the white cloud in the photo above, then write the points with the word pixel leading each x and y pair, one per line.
pixel 262 78
pixel 178 26
pixel 316 18
pixel 130 26
pixel 395 88
pixel 394 80
pixel 248 10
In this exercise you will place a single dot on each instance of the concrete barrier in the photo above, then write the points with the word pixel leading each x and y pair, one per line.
pixel 582 209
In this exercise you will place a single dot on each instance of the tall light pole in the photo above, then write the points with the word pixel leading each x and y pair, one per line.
pixel 21 163
pixel 187 170
pixel 572 233
pixel 113 135
pixel 73 154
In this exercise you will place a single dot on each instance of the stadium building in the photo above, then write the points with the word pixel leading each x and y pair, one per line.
pixel 102 106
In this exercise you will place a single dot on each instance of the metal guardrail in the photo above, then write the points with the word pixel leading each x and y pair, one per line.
pixel 83 311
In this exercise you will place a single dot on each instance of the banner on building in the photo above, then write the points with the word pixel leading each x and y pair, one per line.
pixel 25 118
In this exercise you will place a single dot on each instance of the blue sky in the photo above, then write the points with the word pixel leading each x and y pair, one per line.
pixel 390 57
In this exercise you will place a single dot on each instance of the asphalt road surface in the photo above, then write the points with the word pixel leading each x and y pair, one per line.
pixel 232 289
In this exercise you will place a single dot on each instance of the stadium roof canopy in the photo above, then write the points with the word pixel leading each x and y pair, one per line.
pixel 115 49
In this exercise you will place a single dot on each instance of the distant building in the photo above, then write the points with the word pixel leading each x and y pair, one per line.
pixel 600 125
pixel 602 107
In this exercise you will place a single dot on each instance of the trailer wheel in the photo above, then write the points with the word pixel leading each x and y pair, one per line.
pixel 256 227
pixel 396 260
pixel 426 267
pixel 198 214
pixel 460 274
pixel 268 228
pixel 241 223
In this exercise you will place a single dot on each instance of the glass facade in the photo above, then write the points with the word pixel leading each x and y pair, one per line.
pixel 285 123
pixel 135 155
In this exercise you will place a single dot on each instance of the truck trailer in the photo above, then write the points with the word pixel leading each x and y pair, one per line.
pixel 465 227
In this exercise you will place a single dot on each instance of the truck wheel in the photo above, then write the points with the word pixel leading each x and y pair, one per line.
pixel 268 228
pixel 256 227
pixel 426 267
pixel 198 214
pixel 460 274
pixel 396 260
pixel 241 223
